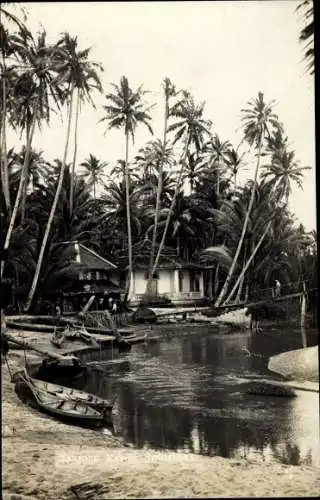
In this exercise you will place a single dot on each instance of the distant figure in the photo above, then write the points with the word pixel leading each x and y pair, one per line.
pixel 114 307
pixel 277 289
pixel 101 304
pixel 110 303
pixel 58 310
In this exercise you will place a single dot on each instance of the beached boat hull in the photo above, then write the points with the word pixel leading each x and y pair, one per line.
pixel 64 403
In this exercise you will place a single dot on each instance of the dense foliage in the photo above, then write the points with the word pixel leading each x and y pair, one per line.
pixel 179 192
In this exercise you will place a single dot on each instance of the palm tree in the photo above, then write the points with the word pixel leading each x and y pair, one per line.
pixel 196 165
pixel 234 162
pixel 282 171
pixel 81 223
pixel 34 88
pixel 307 33
pixel 192 128
pixel 125 109
pixel 74 78
pixel 94 171
pixel 115 208
pixel 77 70
pixel 36 170
pixel 217 151
pixel 162 156
pixel 258 119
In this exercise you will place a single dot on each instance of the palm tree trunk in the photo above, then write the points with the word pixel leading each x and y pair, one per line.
pixel 246 293
pixel 75 151
pixel 216 280
pixel 26 183
pixel 218 177
pixel 127 180
pixel 178 185
pixel 3 142
pixel 244 229
pixel 238 297
pixel 52 212
pixel 21 184
pixel 248 263
pixel 158 201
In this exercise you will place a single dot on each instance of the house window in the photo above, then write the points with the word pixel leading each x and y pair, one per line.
pixel 97 275
pixel 89 275
pixel 194 281
pixel 81 276
pixel 180 280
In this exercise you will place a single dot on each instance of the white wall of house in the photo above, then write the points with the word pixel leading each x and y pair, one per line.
pixel 165 281
pixel 169 283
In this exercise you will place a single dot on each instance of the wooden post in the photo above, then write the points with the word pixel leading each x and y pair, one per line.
pixel 303 306
pixel 303 315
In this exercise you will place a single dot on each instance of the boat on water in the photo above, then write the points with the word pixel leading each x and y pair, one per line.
pixel 66 403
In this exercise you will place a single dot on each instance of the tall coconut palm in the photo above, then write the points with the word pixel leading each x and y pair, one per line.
pixel 34 88
pixel 74 77
pixel 8 47
pixel 163 156
pixel 125 109
pixel 259 120
pixel 94 171
pixel 192 128
pixel 78 71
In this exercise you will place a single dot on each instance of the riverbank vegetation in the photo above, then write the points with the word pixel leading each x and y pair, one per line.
pixel 179 192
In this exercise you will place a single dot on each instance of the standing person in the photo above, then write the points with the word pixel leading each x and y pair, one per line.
pixel 114 307
pixel 110 303
pixel 277 289
pixel 58 309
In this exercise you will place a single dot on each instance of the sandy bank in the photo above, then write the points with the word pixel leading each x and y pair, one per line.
pixel 46 459
pixel 300 364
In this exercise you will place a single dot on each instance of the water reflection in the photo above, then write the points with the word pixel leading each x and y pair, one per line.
pixel 190 393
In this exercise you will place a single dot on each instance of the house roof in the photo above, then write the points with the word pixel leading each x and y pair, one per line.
pixel 90 259
pixel 173 264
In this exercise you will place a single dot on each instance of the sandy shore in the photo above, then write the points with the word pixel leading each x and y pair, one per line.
pixel 45 459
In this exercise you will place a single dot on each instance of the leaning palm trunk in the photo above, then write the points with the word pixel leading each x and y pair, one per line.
pixel 159 190
pixel 238 297
pixel 3 142
pixel 127 181
pixel 178 185
pixel 21 184
pixel 248 263
pixel 52 213
pixel 244 229
pixel 75 151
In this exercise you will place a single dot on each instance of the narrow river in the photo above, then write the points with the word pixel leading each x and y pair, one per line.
pixel 188 392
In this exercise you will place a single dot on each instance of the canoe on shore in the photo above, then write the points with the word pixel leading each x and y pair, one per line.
pixel 65 402
pixel 58 404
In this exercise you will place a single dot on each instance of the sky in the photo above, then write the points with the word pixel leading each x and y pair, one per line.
pixel 223 52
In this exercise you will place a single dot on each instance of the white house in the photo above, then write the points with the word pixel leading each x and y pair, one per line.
pixel 182 282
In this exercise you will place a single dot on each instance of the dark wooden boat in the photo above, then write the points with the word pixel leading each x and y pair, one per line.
pixel 67 403
pixel 49 370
